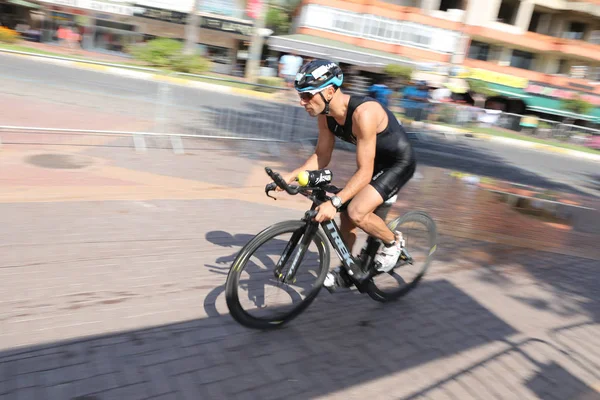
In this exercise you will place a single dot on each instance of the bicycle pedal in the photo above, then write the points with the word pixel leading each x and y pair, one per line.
pixel 405 256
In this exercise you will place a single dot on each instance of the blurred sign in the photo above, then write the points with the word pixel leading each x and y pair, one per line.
pixel 222 7
pixel 160 14
pixel 226 26
pixel 558 93
pixel 530 121
pixel 253 8
pixel 100 6
pixel 498 78
pixel 61 17
pixel 177 17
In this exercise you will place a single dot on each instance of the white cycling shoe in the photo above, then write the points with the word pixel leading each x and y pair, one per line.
pixel 387 258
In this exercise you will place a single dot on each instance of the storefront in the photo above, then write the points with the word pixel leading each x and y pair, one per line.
pixel 22 16
pixel 223 40
pixel 103 26
pixel 544 101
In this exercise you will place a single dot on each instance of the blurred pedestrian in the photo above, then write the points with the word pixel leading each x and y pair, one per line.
pixel 289 64
pixel 380 91
pixel 415 100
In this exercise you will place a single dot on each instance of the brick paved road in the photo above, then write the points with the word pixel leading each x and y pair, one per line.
pixel 112 289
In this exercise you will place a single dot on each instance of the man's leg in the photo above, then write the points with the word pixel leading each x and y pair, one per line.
pixel 360 213
pixel 348 230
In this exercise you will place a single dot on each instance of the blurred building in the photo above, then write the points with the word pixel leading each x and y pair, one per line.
pixel 111 25
pixel 531 52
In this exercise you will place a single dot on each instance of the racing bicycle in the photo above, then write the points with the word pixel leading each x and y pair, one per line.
pixel 291 259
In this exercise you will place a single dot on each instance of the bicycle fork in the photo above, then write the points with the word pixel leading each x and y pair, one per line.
pixel 306 233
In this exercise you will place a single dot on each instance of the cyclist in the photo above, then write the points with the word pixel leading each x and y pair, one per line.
pixel 385 160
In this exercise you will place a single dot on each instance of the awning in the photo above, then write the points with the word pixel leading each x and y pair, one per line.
pixel 543 104
pixel 508 91
pixel 554 106
pixel 335 50
pixel 563 113
pixel 24 3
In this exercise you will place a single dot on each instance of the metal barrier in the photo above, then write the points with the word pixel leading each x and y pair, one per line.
pixel 168 113
pixel 464 116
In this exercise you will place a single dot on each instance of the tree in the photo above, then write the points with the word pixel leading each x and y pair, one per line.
pixel 278 20
pixel 398 72
pixel 480 87
pixel 576 105
pixel 279 15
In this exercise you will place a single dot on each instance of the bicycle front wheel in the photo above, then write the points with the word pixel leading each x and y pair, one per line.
pixel 420 234
pixel 255 296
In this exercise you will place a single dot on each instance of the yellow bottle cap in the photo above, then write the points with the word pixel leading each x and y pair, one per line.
pixel 303 178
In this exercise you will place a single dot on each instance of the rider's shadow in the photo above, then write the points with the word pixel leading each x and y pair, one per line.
pixel 259 263
pixel 225 239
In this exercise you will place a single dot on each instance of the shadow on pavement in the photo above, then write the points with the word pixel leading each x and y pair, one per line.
pixel 570 283
pixel 494 376
pixel 340 342
pixel 593 181
pixel 554 382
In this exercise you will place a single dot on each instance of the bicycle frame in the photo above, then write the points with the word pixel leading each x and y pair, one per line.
pixel 332 231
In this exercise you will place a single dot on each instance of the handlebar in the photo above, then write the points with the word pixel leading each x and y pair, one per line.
pixel 278 181
pixel 310 214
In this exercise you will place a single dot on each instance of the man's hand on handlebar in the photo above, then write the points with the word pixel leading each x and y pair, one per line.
pixel 289 178
pixel 326 212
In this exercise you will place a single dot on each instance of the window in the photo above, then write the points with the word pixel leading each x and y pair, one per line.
pixel 495 53
pixel 508 11
pixel 379 28
pixel 344 22
pixel 446 5
pixel 577 30
pixel 522 59
pixel 563 67
pixel 535 21
pixel 594 74
pixel 479 51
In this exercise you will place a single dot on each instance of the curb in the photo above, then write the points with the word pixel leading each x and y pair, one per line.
pixel 147 76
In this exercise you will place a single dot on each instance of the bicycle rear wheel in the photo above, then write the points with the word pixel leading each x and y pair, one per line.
pixel 420 233
pixel 251 281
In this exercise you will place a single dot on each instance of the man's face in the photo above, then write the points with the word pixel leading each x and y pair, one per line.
pixel 313 103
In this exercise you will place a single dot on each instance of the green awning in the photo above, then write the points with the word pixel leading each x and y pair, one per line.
pixel 542 104
pixel 508 91
pixel 24 3
pixel 554 106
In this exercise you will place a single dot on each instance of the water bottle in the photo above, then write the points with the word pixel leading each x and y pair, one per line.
pixel 314 178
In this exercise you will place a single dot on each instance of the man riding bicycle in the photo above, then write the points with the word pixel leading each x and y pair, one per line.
pixel 385 160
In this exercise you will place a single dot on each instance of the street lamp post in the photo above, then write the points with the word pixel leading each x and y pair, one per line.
pixel 191 29
pixel 258 34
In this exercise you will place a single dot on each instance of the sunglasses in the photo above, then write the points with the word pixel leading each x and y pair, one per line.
pixel 306 96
